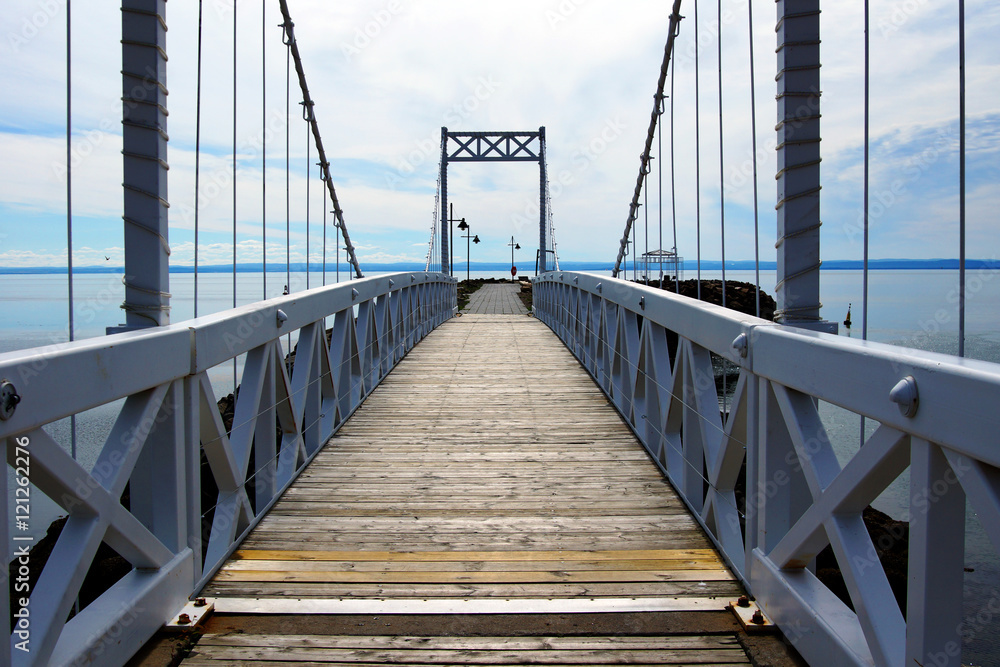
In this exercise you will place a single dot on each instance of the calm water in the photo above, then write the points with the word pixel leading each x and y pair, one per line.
pixel 909 308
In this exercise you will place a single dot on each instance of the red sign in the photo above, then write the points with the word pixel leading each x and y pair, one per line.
pixel 513 271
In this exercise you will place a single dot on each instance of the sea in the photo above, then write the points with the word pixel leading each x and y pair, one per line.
pixel 909 308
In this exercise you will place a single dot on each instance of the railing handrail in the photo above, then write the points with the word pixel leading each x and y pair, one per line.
pixel 651 352
pixel 182 349
pixel 169 435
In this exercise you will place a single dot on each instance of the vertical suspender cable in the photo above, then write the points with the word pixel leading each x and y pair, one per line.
pixel 961 178
pixel 753 140
pixel 697 147
pixel 288 167
pixel 324 243
pixel 308 177
pixel 69 194
pixel 659 172
pixel 645 206
pixel 722 165
pixel 263 136
pixel 197 158
pixel 235 60
pixel 865 189
pixel 864 211
pixel 673 182
pixel 634 276
pixel 722 203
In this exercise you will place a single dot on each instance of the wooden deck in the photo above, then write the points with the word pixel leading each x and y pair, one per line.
pixel 496 299
pixel 486 475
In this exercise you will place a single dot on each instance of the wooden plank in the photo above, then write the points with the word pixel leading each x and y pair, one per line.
pixel 696 589
pixel 445 556
pixel 469 566
pixel 687 642
pixel 464 577
pixel 497 657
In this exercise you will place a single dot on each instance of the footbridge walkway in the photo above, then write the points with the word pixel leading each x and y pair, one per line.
pixel 486 476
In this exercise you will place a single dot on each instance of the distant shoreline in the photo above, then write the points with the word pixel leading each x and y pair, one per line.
pixel 713 265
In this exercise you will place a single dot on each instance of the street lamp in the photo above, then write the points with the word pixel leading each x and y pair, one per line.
pixel 513 246
pixel 464 226
pixel 451 237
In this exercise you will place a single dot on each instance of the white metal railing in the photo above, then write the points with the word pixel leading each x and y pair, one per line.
pixel 170 420
pixel 651 352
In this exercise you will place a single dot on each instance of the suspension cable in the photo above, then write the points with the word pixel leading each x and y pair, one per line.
pixel 722 166
pixel 675 19
pixel 865 189
pixel 673 183
pixel 864 211
pixel 69 195
pixel 645 206
pixel 288 164
pixel 263 134
pixel 961 178
pixel 659 172
pixel 197 158
pixel 308 178
pixel 324 244
pixel 753 140
pixel 697 148
pixel 307 100
pixel 634 244
pixel 235 110
pixel 722 206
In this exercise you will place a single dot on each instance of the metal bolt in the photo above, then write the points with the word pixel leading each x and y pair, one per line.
pixel 757 618
pixel 280 317
pixel 200 602
pixel 642 302
pixel 183 619
pixel 9 399
pixel 744 601
pixel 354 294
pixel 904 394
pixel 741 345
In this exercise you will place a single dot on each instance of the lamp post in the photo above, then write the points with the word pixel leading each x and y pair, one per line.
pixel 464 226
pixel 452 219
pixel 513 246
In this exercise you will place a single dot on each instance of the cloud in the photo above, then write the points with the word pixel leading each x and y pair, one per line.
pixel 386 75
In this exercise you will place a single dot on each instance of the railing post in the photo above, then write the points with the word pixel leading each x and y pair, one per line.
pixel 798 177
pixel 936 560
pixel 144 121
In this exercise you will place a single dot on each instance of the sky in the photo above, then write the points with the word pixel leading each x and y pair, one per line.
pixel 386 75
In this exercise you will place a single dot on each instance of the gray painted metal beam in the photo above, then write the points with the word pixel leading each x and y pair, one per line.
pixel 494 147
pixel 144 120
pixel 798 177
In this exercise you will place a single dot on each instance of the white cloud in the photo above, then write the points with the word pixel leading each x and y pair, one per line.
pixel 386 76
